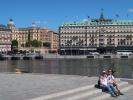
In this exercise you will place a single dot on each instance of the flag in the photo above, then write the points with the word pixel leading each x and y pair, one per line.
pixel 88 17
pixel 117 16
pixel 33 24
pixel 127 15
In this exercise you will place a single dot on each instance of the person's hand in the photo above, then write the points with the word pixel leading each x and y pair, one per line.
pixel 115 82
pixel 111 81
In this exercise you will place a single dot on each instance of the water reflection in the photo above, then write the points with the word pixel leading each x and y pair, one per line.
pixel 88 67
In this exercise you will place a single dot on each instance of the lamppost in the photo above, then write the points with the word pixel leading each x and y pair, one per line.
pixel 71 46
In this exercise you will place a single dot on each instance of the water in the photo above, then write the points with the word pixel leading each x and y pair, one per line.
pixel 86 67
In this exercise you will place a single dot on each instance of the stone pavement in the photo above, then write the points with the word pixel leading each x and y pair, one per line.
pixel 35 86
pixel 127 96
pixel 85 93
pixel 25 86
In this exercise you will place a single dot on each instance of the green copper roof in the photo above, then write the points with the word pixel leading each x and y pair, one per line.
pixel 99 22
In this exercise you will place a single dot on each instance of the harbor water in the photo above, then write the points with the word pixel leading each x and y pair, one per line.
pixel 85 67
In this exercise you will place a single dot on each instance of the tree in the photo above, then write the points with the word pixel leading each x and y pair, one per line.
pixel 27 44
pixel 22 45
pixel 14 46
pixel 39 43
pixel 34 43
pixel 46 44
pixel 14 43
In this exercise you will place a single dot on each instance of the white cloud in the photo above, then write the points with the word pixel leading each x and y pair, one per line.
pixel 130 10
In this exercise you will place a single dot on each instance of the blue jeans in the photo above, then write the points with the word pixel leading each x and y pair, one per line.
pixel 110 88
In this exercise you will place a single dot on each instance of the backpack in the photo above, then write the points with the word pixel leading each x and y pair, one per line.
pixel 98 84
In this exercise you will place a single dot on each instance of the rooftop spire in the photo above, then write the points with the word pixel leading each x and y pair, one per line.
pixel 11 24
pixel 101 16
pixel 10 19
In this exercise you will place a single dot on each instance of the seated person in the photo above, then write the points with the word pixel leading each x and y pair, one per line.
pixel 105 86
pixel 111 80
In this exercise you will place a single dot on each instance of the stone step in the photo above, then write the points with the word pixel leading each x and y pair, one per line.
pixel 121 85
pixel 80 94
pixel 103 96
pixel 76 94
pixel 88 94
pixel 62 93
pixel 127 96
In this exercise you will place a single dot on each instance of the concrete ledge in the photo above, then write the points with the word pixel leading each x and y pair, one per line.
pixel 79 96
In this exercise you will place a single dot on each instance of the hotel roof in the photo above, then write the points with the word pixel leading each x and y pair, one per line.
pixel 96 22
pixel 99 22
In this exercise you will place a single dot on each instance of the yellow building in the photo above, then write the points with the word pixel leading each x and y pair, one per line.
pixel 47 38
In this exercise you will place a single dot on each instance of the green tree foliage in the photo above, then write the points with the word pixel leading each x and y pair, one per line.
pixel 39 43
pixel 27 44
pixel 22 45
pixel 46 44
pixel 36 43
pixel 14 43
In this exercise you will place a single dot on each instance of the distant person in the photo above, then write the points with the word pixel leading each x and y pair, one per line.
pixel 111 80
pixel 105 86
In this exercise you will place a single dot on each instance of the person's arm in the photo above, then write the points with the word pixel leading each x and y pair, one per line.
pixel 115 82
pixel 110 80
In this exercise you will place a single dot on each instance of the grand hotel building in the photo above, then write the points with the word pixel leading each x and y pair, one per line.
pixel 101 35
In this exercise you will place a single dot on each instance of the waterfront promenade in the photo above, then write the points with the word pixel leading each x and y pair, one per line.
pixel 53 87
pixel 58 56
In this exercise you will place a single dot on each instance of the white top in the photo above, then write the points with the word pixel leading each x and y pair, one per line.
pixel 110 78
pixel 104 81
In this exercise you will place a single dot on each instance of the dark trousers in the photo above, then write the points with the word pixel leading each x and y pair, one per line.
pixel 109 88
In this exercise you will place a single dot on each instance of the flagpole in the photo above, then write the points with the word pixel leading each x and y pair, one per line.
pixel 117 16
pixel 65 38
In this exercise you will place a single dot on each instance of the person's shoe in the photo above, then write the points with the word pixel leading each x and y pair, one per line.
pixel 117 94
pixel 121 93
pixel 114 96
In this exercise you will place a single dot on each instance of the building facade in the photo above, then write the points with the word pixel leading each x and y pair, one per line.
pixel 45 36
pixel 25 36
pixel 5 39
pixel 100 35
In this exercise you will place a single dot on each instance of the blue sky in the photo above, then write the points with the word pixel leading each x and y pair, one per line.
pixel 52 13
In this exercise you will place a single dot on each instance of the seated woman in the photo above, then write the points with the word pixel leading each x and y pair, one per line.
pixel 105 86
pixel 111 80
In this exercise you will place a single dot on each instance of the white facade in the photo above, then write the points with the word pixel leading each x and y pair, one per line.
pixel 96 34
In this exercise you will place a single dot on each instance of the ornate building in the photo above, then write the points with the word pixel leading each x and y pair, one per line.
pixel 45 36
pixel 25 36
pixel 5 39
pixel 101 35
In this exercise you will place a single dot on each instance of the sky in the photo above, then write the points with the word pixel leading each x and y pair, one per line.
pixel 52 13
